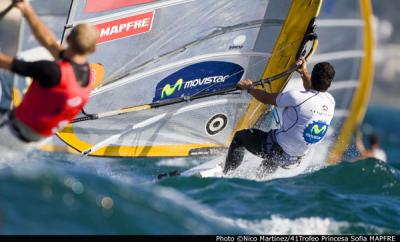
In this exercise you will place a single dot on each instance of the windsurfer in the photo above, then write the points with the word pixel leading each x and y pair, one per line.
pixel 374 151
pixel 59 89
pixel 306 118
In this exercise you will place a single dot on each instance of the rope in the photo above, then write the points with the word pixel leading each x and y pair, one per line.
pixel 8 9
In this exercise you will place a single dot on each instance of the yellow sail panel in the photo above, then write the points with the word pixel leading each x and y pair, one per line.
pixel 151 151
pixel 283 57
pixel 128 151
pixel 98 73
pixel 362 95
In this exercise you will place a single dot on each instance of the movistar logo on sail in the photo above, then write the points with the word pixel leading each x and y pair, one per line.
pixel 169 90
pixel 315 132
pixel 205 81
pixel 203 77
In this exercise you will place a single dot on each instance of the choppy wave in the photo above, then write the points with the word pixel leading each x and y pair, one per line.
pixel 43 193
pixel 100 196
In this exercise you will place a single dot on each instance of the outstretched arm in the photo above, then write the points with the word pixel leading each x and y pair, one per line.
pixel 260 95
pixel 359 143
pixel 5 61
pixel 364 153
pixel 304 73
pixel 43 34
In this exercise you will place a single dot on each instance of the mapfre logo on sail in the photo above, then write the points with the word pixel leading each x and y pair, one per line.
pixel 126 27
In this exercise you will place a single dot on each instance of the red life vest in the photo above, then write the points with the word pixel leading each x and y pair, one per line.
pixel 48 110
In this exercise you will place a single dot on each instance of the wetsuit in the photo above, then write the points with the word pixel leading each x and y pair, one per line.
pixel 379 154
pixel 305 121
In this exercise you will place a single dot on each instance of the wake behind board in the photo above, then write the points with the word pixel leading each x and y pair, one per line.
pixel 212 168
pixel 249 169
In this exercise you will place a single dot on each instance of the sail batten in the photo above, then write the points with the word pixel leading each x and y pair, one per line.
pixel 340 23
pixel 339 55
pixel 133 78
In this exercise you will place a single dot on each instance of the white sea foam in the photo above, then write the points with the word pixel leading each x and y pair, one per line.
pixel 10 158
pixel 273 225
pixel 306 226
pixel 177 162
pixel 248 169
pixel 315 160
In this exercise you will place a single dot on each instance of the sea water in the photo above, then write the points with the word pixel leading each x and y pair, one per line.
pixel 44 193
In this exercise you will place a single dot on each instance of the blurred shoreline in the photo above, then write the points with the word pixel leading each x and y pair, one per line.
pixel 387 76
pixel 387 54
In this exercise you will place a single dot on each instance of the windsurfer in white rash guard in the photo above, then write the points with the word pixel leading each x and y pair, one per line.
pixel 306 118
pixel 374 151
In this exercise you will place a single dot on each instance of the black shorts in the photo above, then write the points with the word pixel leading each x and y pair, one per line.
pixel 265 145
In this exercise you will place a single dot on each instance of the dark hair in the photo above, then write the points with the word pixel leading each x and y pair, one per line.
pixel 322 76
pixel 373 140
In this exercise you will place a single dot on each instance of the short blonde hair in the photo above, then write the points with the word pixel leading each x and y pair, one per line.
pixel 82 39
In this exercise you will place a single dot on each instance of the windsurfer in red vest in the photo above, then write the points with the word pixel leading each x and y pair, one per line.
pixel 59 89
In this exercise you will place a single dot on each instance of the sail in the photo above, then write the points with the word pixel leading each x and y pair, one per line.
pixel 346 41
pixel 157 52
pixel 149 51
pixel 9 25
pixel 54 14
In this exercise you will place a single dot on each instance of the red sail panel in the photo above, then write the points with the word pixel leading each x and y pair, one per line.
pixel 105 5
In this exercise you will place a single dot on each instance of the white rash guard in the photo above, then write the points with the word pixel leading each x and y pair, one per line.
pixel 379 154
pixel 305 119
